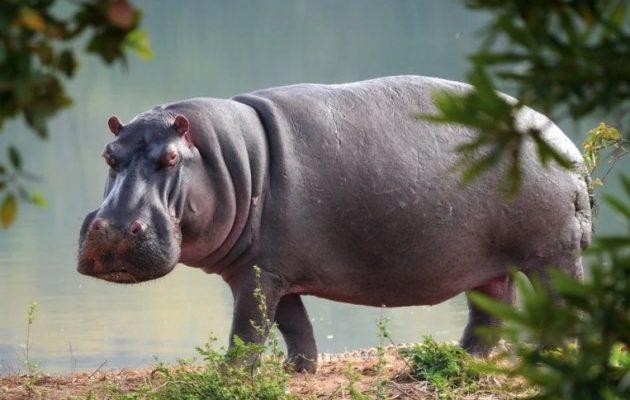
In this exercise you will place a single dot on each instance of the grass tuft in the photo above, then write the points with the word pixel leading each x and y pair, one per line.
pixel 447 368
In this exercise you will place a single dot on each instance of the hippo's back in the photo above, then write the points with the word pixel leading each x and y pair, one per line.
pixel 361 190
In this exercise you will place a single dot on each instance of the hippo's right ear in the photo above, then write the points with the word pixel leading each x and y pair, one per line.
pixel 115 126
pixel 182 127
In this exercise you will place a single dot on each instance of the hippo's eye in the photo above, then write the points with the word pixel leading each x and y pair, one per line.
pixel 170 159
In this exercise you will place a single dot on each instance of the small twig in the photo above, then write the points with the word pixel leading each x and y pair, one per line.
pixel 97 369
pixel 403 391
pixel 614 161
pixel 405 360
pixel 337 390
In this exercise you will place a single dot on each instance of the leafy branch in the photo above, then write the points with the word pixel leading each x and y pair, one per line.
pixel 564 58
pixel 600 139
pixel 37 58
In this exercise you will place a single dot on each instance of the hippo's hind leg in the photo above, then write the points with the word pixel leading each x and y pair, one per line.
pixel 570 265
pixel 296 328
pixel 501 289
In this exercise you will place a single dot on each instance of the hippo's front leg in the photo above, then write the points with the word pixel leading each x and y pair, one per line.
pixel 297 331
pixel 247 308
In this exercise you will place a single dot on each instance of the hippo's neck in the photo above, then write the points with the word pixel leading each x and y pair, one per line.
pixel 232 144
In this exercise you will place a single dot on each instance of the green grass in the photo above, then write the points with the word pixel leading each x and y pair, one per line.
pixel 223 376
pixel 447 368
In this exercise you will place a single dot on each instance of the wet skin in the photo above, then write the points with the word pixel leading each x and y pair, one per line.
pixel 333 191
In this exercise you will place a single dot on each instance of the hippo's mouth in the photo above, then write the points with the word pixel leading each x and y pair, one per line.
pixel 124 274
pixel 118 277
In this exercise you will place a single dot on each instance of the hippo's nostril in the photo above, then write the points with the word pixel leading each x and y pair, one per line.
pixel 136 227
pixel 99 224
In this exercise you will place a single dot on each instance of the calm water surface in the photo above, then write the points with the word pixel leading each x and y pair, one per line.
pixel 202 48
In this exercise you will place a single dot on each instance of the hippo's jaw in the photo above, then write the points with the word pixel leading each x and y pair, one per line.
pixel 121 276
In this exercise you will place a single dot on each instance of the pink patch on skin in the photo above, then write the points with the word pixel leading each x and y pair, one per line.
pixel 500 279
pixel 254 200
pixel 299 289
pixel 495 286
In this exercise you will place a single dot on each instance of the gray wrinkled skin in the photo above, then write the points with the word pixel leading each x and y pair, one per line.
pixel 333 191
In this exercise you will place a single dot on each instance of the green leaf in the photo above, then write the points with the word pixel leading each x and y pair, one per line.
pixel 513 177
pixel 625 181
pixel 38 199
pixel 618 205
pixel 569 286
pixel 15 158
pixel 620 356
pixel 67 63
pixel 497 308
pixel 478 167
pixel 611 242
pixel 8 210
pixel 138 41
pixel 107 44
pixel 546 152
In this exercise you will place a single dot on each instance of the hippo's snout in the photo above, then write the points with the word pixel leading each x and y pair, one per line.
pixel 123 252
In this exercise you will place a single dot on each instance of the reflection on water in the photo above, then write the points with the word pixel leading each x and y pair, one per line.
pixel 217 48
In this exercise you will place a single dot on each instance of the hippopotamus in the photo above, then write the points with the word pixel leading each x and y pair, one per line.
pixel 335 191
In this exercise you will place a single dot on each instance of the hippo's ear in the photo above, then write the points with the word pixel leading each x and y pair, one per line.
pixel 181 124
pixel 182 127
pixel 114 125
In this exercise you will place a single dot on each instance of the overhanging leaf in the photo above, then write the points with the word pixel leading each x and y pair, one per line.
pixel 8 210
pixel 497 308
pixel 38 199
pixel 138 41
pixel 618 205
pixel 15 158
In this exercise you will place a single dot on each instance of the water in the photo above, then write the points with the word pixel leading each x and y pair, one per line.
pixel 218 49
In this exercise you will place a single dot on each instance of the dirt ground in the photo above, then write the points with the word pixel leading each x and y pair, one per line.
pixel 332 381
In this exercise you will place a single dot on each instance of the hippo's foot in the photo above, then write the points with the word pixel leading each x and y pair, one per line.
pixel 477 347
pixel 301 363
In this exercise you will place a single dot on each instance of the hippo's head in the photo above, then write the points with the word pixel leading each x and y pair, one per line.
pixel 136 233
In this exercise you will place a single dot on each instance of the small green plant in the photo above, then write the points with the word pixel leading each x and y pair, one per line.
pixel 268 328
pixel 351 388
pixel 31 367
pixel 599 139
pixel 383 337
pixel 446 367
pixel 244 371
pixel 220 379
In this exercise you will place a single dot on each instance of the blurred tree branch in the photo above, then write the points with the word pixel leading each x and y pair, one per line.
pixel 566 58
pixel 37 57
pixel 561 57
